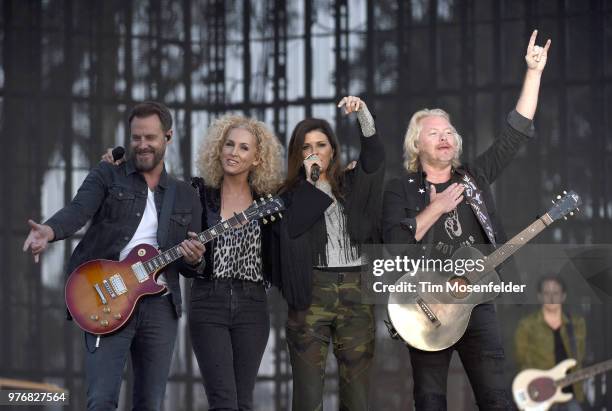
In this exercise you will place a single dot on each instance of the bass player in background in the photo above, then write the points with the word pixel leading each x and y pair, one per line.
pixel 550 335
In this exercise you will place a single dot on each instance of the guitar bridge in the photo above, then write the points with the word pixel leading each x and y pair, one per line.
pixel 100 294
pixel 430 314
pixel 109 289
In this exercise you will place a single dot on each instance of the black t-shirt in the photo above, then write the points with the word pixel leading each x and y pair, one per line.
pixel 459 228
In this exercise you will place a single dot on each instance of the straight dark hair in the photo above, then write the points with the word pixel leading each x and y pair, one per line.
pixel 150 108
pixel 551 277
pixel 295 161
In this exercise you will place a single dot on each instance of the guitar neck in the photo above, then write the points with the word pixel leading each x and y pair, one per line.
pixel 174 253
pixel 505 251
pixel 584 373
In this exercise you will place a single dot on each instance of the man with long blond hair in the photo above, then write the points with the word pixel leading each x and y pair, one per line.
pixel 427 206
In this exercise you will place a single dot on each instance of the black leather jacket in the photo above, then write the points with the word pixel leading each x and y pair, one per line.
pixel 407 196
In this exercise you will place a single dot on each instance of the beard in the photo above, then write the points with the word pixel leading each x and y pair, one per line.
pixel 149 163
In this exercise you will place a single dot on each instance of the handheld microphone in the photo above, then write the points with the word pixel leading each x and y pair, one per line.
pixel 315 169
pixel 118 153
pixel 315 172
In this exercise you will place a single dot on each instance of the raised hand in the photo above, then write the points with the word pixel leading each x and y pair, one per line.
pixel 536 56
pixel 38 238
pixel 351 104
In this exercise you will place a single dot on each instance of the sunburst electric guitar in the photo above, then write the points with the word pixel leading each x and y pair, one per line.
pixel 102 294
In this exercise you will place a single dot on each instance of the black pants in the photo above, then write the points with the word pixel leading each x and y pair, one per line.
pixel 149 337
pixel 229 326
pixel 482 355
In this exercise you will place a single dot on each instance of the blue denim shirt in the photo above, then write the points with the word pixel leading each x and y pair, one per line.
pixel 114 198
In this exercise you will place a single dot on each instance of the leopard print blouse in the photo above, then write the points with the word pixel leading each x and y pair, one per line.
pixel 237 253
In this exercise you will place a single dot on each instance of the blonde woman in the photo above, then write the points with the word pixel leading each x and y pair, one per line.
pixel 239 160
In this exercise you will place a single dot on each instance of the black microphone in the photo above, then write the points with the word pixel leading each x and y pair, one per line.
pixel 315 172
pixel 118 153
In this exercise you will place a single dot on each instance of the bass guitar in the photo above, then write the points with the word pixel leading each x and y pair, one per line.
pixel 538 390
pixel 101 294
pixel 435 319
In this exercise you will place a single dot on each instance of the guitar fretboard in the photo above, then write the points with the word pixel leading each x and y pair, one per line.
pixel 584 373
pixel 174 253
pixel 505 251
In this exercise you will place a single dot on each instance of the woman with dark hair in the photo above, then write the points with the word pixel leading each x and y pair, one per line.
pixel 331 212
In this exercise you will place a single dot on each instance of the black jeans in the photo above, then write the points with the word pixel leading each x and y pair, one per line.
pixel 482 355
pixel 229 326
pixel 149 337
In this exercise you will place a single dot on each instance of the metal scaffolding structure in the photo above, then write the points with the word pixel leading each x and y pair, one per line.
pixel 71 69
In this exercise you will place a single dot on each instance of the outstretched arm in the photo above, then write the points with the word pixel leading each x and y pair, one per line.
pixel 536 61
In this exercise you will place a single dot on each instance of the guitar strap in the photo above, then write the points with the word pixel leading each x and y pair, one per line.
pixel 474 197
pixel 166 210
pixel 572 336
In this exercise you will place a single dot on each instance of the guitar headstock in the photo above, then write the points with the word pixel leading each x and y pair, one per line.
pixel 265 207
pixel 564 204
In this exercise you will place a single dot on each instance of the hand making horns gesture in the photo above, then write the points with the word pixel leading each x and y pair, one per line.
pixel 536 55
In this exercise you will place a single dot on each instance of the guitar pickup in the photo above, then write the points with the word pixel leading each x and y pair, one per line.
pixel 118 284
pixel 140 272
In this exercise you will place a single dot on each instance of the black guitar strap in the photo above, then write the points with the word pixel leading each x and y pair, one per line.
pixel 166 210
pixel 572 336
pixel 474 197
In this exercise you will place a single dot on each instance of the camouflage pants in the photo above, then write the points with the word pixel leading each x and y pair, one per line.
pixel 336 314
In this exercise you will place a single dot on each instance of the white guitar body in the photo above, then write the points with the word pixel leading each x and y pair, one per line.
pixel 535 390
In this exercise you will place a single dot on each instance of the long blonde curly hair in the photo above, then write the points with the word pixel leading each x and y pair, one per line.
pixel 263 179
pixel 411 150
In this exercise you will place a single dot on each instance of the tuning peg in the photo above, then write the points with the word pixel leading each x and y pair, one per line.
pixel 272 218
pixel 577 209
pixel 265 221
pixel 552 201
pixel 261 199
pixel 564 217
pixel 571 213
pixel 564 192
pixel 280 215
pixel 558 197
pixel 269 195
